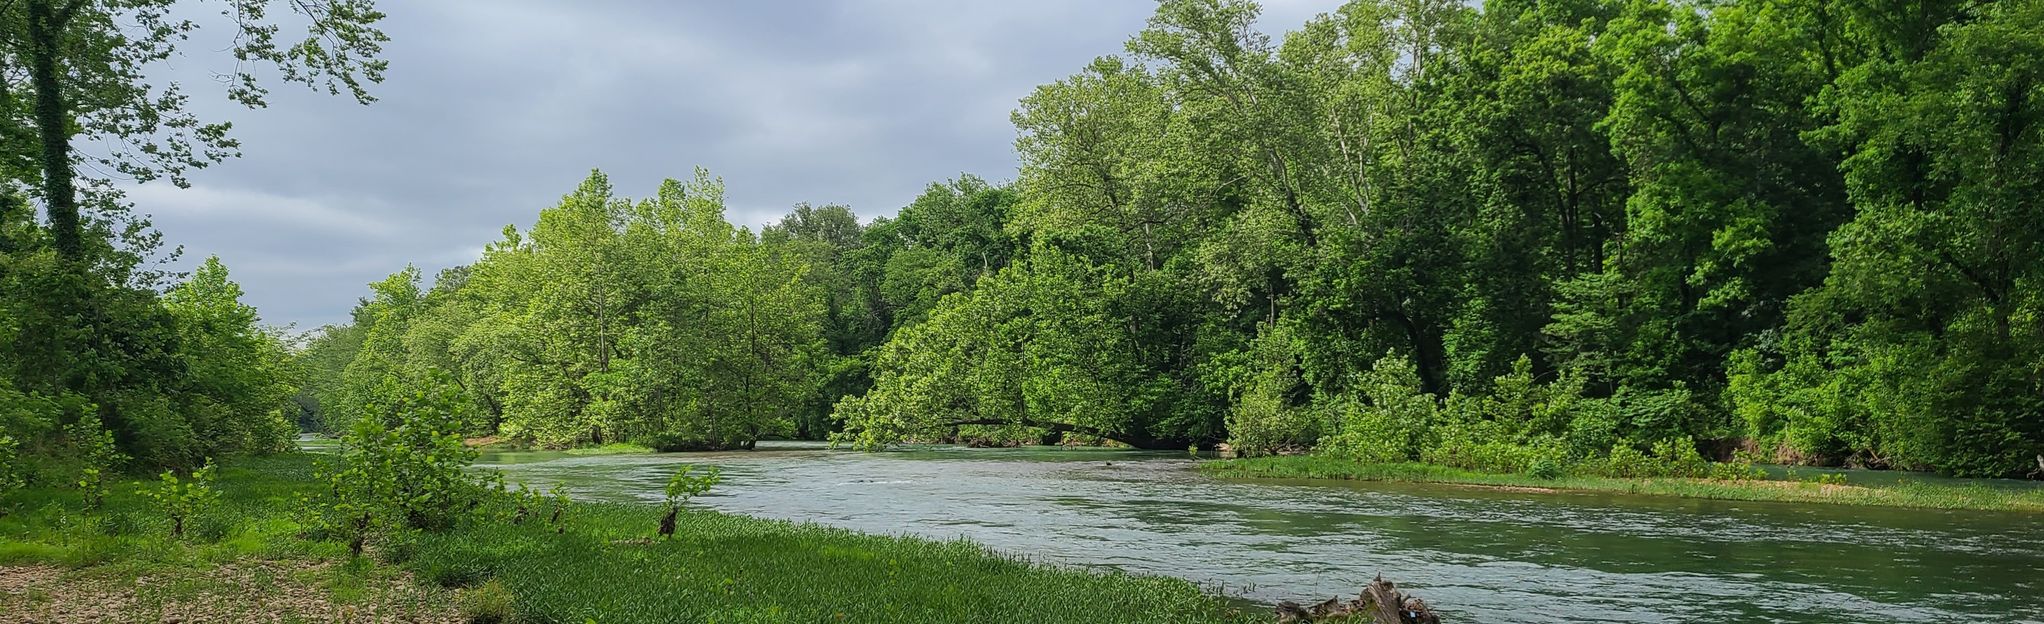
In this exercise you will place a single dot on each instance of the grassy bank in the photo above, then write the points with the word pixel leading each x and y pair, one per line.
pixel 1912 494
pixel 246 556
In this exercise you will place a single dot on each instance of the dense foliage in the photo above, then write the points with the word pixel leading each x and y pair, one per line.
pixel 654 321
pixel 107 361
pixel 1576 229
pixel 1514 236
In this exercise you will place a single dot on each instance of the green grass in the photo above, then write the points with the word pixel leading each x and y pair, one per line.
pixel 122 562
pixel 614 448
pixel 722 568
pixel 1910 494
pixel 605 567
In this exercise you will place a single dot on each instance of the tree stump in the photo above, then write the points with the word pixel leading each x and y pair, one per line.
pixel 1380 601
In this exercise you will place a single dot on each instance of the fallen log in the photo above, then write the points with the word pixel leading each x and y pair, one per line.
pixel 1380 602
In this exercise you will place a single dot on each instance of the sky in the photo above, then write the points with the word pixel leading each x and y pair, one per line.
pixel 493 109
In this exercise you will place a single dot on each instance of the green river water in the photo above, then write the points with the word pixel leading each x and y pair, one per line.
pixel 1478 555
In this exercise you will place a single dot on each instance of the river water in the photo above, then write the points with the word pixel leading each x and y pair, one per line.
pixel 1477 555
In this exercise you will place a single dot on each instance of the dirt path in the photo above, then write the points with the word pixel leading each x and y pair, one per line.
pixel 245 591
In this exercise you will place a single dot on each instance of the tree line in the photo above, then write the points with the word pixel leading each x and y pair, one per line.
pixel 657 321
pixel 1413 230
pixel 1418 229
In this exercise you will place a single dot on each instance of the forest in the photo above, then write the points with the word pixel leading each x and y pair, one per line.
pixel 1497 236
pixel 1492 237
pixel 1525 271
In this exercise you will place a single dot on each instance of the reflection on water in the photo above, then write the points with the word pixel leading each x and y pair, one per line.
pixel 1481 555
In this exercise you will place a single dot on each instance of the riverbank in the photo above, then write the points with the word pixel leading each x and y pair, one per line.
pixel 245 555
pixel 1904 494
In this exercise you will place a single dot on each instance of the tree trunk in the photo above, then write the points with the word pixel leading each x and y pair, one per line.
pixel 46 24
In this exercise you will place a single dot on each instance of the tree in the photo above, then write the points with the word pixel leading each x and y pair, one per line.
pixel 176 377
pixel 240 377
pixel 84 63
pixel 1920 349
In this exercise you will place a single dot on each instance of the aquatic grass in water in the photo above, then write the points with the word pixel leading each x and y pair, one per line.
pixel 1904 494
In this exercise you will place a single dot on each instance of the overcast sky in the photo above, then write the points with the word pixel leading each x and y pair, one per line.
pixel 493 109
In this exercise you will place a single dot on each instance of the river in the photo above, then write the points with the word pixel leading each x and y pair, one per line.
pixel 1478 555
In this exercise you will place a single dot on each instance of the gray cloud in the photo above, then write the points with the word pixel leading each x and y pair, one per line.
pixel 495 108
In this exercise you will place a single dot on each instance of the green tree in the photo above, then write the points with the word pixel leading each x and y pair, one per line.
pixel 240 378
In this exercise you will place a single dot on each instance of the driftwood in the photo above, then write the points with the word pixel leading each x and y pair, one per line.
pixel 1380 603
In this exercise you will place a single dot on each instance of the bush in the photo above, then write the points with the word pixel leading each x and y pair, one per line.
pixel 1741 468
pixel 1594 430
pixel 402 465
pixel 683 486
pixel 1659 414
pixel 1626 462
pixel 1677 457
pixel 91 489
pixel 180 500
pixel 1263 420
pixel 1261 423
pixel 1390 427
pixel 10 467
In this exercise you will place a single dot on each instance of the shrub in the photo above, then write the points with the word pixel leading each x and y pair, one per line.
pixel 675 442
pixel 1594 430
pixel 1677 457
pixel 1263 419
pixel 405 458
pixel 95 447
pixel 1660 414
pixel 1390 426
pixel 1260 423
pixel 683 486
pixel 10 467
pixel 401 467
pixel 91 489
pixel 1480 446
pixel 180 500
pixel 559 497
pixel 1627 462
pixel 1741 468
pixel 523 502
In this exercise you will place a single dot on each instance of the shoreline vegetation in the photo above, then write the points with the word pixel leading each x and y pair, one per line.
pixel 1912 494
pixel 599 562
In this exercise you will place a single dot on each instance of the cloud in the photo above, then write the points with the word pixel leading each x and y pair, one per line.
pixel 244 208
pixel 494 109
